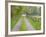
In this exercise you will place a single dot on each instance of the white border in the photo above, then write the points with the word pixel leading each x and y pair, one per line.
pixel 23 32
pixel 28 0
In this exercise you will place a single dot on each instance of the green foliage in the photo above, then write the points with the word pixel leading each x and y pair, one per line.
pixel 15 15
pixel 17 11
pixel 14 22
pixel 35 22
pixel 31 10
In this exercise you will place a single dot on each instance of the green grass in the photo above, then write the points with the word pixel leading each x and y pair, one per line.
pixel 13 22
pixel 23 26
pixel 35 24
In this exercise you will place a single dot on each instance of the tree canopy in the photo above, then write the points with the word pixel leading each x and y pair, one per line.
pixel 29 10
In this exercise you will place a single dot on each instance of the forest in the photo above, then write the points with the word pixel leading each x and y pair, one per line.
pixel 33 14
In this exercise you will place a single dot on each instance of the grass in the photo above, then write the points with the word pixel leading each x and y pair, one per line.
pixel 23 26
pixel 36 24
pixel 13 22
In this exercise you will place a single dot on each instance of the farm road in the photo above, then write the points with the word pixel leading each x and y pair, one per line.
pixel 29 26
pixel 18 25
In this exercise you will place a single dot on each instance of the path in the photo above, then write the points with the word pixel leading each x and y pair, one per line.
pixel 29 26
pixel 18 25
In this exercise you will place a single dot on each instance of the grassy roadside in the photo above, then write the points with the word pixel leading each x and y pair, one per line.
pixel 35 24
pixel 13 22
pixel 23 26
